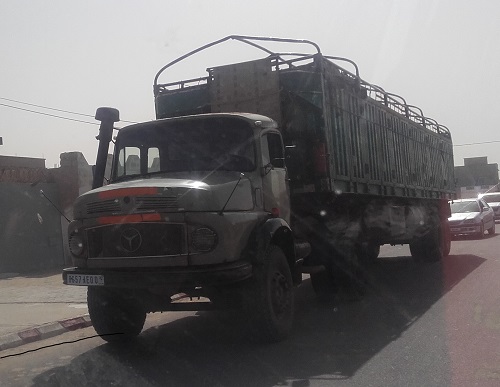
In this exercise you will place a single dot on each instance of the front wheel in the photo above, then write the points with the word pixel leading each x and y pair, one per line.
pixel 480 235
pixel 492 230
pixel 270 300
pixel 114 317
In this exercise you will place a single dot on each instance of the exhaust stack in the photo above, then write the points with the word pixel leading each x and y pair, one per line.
pixel 108 116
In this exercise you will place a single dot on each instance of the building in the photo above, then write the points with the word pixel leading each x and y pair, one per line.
pixel 35 206
pixel 476 176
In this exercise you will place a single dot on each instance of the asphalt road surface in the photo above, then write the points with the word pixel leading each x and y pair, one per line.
pixel 417 325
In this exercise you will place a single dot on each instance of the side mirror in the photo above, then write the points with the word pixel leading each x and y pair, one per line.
pixel 277 162
pixel 266 169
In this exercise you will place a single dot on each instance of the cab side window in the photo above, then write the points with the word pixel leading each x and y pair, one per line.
pixel 272 150
pixel 153 160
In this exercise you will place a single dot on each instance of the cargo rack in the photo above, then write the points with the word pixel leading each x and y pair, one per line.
pixel 392 101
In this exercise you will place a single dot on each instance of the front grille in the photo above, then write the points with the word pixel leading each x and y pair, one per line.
pixel 454 222
pixel 157 203
pixel 142 203
pixel 111 205
pixel 136 240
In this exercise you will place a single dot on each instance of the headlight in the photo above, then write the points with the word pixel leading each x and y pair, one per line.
pixel 76 244
pixel 203 239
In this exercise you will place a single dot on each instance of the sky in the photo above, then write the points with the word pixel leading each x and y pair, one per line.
pixel 75 56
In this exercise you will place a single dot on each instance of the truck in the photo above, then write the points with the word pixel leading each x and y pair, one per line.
pixel 249 177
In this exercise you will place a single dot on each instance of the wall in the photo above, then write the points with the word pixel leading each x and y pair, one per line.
pixel 30 228
pixel 474 191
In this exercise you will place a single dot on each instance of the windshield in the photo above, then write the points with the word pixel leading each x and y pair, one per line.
pixel 491 198
pixel 461 207
pixel 215 143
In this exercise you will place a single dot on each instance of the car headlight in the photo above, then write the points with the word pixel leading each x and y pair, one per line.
pixel 203 239
pixel 76 244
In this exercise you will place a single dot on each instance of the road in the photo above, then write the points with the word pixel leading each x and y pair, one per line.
pixel 418 325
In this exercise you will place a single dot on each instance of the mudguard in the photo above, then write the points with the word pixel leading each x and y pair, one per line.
pixel 272 231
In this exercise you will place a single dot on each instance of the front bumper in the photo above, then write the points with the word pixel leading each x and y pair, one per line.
pixel 167 276
pixel 465 230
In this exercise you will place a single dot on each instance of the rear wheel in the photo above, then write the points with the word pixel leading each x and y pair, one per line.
pixel 335 283
pixel 368 252
pixel 431 247
pixel 416 250
pixel 324 284
pixel 114 317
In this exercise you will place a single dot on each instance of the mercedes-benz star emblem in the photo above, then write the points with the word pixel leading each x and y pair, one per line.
pixel 131 239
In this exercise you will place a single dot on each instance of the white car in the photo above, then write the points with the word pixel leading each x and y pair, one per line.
pixel 471 217
pixel 493 200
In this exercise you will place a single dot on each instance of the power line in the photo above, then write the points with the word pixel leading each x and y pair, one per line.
pixel 46 107
pixel 55 116
pixel 51 108
pixel 48 114
pixel 478 143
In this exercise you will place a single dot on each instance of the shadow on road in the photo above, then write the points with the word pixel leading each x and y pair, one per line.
pixel 329 342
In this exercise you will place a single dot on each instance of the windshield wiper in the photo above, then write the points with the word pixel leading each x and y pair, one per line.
pixel 221 212
pixel 126 177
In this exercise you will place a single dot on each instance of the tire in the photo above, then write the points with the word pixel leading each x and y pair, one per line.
pixel 480 235
pixel 271 301
pixel 338 284
pixel 324 285
pixel 446 239
pixel 415 251
pixel 429 248
pixel 492 230
pixel 368 252
pixel 115 318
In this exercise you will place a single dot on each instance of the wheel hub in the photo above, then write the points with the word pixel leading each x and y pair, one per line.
pixel 280 292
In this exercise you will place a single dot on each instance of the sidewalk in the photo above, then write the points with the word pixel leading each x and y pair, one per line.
pixel 36 306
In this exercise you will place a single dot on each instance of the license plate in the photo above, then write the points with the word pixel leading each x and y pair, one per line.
pixel 455 229
pixel 85 279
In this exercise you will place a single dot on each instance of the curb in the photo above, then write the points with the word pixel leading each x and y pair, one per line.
pixel 12 340
pixel 41 332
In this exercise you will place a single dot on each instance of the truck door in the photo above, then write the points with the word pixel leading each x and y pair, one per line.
pixel 274 175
